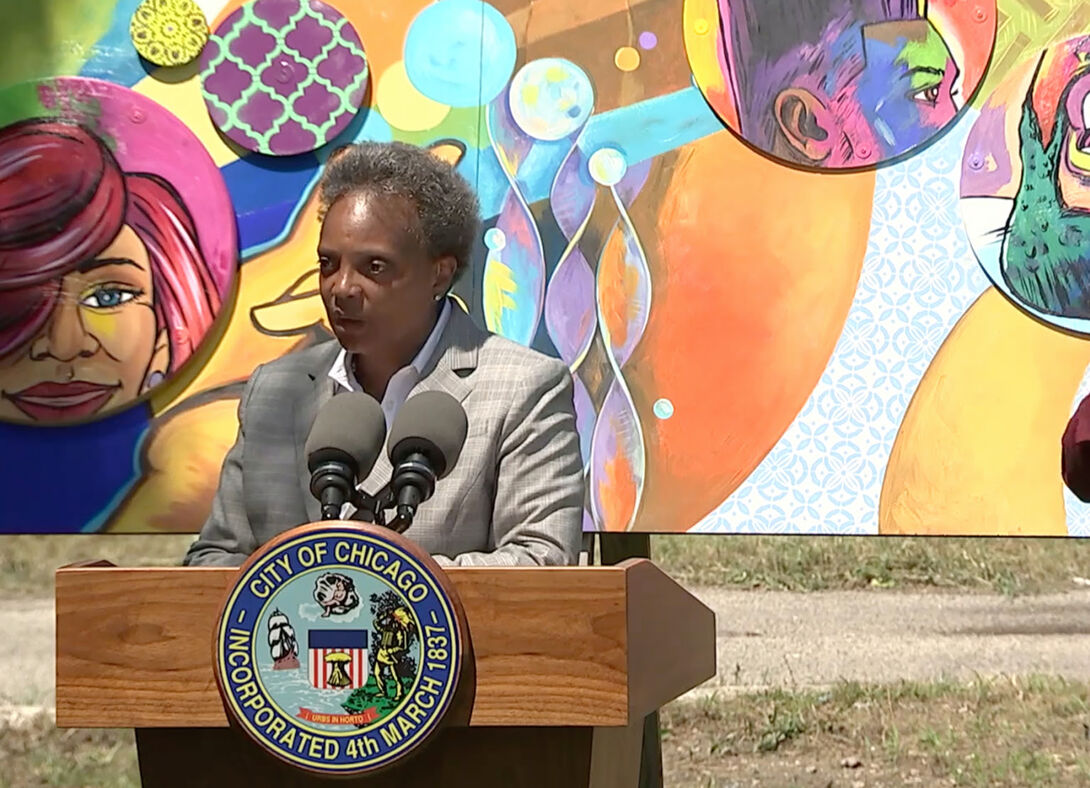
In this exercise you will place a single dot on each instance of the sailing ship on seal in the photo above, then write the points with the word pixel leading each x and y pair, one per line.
pixel 282 643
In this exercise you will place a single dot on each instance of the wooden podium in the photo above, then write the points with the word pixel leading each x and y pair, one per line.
pixel 566 664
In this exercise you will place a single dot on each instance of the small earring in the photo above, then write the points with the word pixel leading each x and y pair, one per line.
pixel 439 297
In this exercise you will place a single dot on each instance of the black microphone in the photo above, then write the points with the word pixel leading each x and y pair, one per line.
pixel 344 442
pixel 425 441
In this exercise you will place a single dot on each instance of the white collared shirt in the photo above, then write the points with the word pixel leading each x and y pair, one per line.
pixel 397 390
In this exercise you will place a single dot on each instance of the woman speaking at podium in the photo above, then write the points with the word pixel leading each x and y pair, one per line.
pixel 398 225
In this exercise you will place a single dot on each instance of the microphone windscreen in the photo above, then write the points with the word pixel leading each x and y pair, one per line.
pixel 350 426
pixel 432 423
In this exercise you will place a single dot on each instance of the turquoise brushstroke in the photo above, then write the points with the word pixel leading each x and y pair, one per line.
pixel 113 57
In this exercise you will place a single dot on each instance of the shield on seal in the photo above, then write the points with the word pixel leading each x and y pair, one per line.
pixel 337 658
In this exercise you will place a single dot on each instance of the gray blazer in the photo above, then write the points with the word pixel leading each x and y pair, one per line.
pixel 514 498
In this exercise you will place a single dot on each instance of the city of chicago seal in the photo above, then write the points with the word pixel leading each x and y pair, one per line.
pixel 338 650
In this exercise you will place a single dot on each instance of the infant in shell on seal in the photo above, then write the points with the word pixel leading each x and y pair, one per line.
pixel 336 593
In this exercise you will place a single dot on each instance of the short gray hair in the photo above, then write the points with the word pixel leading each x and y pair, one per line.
pixel 446 206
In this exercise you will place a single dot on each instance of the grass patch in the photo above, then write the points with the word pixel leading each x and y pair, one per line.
pixel 27 562
pixel 996 732
pixel 1009 565
pixel 36 754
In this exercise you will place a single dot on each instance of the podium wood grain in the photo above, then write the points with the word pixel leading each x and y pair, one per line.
pixel 551 646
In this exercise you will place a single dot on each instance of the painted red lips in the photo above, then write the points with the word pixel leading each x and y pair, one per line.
pixel 61 401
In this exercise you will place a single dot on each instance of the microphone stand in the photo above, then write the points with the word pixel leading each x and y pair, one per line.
pixel 373 508
pixel 400 523
pixel 386 500
pixel 368 509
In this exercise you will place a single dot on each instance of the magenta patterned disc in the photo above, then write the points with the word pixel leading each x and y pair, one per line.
pixel 283 76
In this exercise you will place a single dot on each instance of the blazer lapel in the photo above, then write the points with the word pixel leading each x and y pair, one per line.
pixel 454 358
pixel 321 389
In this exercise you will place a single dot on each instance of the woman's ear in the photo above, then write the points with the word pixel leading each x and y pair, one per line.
pixel 160 362
pixel 445 269
pixel 806 123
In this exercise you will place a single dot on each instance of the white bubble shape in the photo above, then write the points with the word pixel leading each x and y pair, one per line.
pixel 551 98
pixel 607 166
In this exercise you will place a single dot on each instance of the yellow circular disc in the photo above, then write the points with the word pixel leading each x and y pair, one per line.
pixel 402 105
pixel 169 32
pixel 627 59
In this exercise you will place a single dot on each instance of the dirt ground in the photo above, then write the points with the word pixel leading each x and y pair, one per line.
pixel 999 732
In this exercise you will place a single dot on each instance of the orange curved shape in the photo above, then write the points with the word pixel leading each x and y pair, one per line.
pixel 753 275
pixel 617 291
pixel 618 493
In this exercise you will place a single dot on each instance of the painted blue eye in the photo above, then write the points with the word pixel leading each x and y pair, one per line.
pixel 108 296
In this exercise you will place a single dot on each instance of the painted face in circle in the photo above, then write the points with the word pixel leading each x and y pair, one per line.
pixel 859 111
pixel 1074 112
pixel 1045 261
pixel 100 347
pixel 907 90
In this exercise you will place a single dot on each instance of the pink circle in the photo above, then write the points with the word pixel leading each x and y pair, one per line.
pixel 648 40
pixel 146 137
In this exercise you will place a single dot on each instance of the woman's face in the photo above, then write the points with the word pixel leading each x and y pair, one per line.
pixel 377 281
pixel 100 347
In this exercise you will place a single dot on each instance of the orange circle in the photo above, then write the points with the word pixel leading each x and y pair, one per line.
pixel 627 59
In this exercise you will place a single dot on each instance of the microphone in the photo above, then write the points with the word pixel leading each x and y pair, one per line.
pixel 426 439
pixel 344 442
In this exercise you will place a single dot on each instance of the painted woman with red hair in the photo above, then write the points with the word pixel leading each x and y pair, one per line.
pixel 104 290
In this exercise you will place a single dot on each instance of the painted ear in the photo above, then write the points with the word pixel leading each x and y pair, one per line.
pixel 160 362
pixel 806 123
pixel 450 151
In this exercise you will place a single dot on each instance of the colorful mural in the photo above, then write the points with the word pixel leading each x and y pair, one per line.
pixel 1024 203
pixel 839 84
pixel 769 331
pixel 1024 192
pixel 109 280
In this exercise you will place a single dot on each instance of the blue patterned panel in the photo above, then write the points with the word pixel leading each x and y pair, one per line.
pixel 919 276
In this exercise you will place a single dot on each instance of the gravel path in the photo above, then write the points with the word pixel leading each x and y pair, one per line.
pixel 765 639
